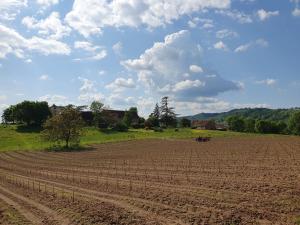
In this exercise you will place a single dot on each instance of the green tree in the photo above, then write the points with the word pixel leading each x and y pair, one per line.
pixel 64 127
pixel 167 114
pixel 294 123
pixel 9 115
pixel 236 123
pixel 184 122
pixel 250 125
pixel 96 107
pixel 156 112
pixel 131 117
pixel 31 113
pixel 266 127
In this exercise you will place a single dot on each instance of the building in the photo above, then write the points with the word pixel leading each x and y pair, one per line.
pixel 204 124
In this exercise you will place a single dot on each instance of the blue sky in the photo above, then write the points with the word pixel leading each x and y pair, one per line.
pixel 206 55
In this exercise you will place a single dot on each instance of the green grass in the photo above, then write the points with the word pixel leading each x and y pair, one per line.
pixel 297 220
pixel 16 138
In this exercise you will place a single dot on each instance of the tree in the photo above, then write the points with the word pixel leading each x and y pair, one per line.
pixel 266 127
pixel 8 115
pixel 28 112
pixel 152 122
pixel 250 125
pixel 156 112
pixel 236 123
pixel 65 126
pixel 184 122
pixel 167 114
pixel 131 117
pixel 294 123
pixel 96 107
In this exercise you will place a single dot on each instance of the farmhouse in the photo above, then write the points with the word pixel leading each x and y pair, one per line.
pixel 204 124
pixel 88 117
pixel 208 125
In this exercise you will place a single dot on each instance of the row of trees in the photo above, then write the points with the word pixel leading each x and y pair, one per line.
pixel 241 124
pixel 27 112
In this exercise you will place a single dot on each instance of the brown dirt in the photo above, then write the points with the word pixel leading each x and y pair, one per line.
pixel 226 181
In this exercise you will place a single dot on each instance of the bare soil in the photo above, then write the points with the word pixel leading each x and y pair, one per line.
pixel 229 181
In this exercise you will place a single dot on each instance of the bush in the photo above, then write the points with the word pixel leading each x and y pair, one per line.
pixel 158 129
pixel 120 126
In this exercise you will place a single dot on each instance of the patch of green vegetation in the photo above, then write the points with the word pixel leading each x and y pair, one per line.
pixel 297 220
pixel 16 138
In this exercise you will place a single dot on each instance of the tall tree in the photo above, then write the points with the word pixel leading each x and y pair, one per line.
pixel 156 111
pixel 65 126
pixel 167 114
pixel 294 123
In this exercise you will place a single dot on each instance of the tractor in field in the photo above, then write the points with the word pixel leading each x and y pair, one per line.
pixel 203 139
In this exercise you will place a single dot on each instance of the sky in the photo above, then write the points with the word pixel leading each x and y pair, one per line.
pixel 206 55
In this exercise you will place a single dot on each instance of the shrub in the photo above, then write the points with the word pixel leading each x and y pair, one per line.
pixel 120 126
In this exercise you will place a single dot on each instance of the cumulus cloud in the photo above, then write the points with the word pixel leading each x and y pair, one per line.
pixel 10 8
pixel 118 47
pixel 201 23
pixel 221 46
pixel 91 16
pixel 296 12
pixel 245 47
pixel 88 91
pixel 55 99
pixel 51 27
pixel 236 15
pixel 264 15
pixel 95 52
pixel 47 3
pixel 44 77
pixel 120 83
pixel 225 33
pixel 11 42
pixel 196 69
pixel 163 69
pixel 208 105
pixel 268 82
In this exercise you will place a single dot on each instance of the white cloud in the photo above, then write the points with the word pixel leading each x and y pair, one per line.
pixel 221 46
pixel 225 33
pixel 264 15
pixel 91 16
pixel 120 83
pixel 163 68
pixel 209 105
pixel 296 12
pixel 95 52
pixel 196 69
pixel 51 27
pixel 236 15
pixel 44 77
pixel 268 82
pixel 259 42
pixel 47 3
pixel 88 91
pixel 201 23
pixel 10 8
pixel 11 42
pixel 55 99
pixel 118 47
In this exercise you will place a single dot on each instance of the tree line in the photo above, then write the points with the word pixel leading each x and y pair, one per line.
pixel 249 125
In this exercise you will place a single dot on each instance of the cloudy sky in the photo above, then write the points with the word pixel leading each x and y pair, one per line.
pixel 206 55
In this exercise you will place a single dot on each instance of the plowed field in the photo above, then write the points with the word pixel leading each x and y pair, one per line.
pixel 240 180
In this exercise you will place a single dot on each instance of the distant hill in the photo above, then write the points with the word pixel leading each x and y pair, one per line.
pixel 256 113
